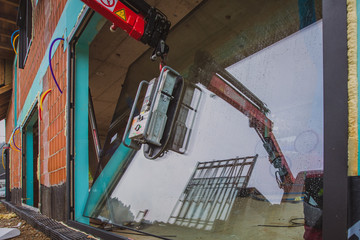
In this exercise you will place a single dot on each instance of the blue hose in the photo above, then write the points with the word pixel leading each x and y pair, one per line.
pixel 51 70
pixel 12 37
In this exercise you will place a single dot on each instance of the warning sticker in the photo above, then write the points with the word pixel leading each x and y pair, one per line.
pixel 121 13
pixel 109 4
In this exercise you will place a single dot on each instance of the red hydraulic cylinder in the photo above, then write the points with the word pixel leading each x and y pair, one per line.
pixel 119 14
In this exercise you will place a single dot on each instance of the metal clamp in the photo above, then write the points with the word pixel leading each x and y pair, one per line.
pixel 133 144
pixel 156 90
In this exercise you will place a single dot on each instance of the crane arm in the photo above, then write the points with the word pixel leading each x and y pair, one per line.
pixel 141 21
pixel 262 125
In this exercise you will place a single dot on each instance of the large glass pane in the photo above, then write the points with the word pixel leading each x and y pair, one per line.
pixel 244 158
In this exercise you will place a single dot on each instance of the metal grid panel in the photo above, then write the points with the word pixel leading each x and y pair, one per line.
pixel 211 191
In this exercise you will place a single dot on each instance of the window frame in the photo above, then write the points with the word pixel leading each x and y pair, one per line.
pixel 335 211
pixel 25 23
pixel 335 67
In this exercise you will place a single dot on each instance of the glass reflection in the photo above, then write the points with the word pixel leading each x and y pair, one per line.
pixel 245 160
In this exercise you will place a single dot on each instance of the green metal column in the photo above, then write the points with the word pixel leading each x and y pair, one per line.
pixel 81 181
pixel 81 131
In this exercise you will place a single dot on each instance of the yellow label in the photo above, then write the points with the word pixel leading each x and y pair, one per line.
pixel 121 14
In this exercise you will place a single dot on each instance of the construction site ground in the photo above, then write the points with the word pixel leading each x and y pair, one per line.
pixel 11 220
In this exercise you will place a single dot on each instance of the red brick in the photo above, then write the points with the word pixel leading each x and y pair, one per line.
pixel 46 15
pixel 42 179
pixel 52 180
pixel 63 158
pixel 58 163
pixel 50 164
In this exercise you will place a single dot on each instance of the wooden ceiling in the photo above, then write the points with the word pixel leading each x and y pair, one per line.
pixel 8 14
pixel 5 95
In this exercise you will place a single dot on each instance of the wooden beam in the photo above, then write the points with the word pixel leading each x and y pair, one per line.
pixel 5 54
pixel 5 92
pixel 7 57
pixel 5 88
pixel 9 3
pixel 3 111
pixel 5 103
pixel 7 30
pixel 7 20
pixel 6 47
pixel 5 97
pixel 2 71
pixel 5 35
pixel 3 116
pixel 6 43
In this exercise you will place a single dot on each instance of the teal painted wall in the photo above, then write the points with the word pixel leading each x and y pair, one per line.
pixel 82 116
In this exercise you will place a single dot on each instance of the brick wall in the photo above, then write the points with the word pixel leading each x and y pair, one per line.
pixel 46 15
pixel 52 130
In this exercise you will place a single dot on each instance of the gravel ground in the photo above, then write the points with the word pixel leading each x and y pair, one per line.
pixel 11 220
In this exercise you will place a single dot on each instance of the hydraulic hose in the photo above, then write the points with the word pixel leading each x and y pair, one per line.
pixel 51 70
pixel 13 43
pixel 12 37
pixel 11 144
pixel 2 157
pixel 42 98
pixel 13 140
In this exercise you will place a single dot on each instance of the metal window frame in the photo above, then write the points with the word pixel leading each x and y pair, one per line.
pixel 25 21
pixel 335 121
pixel 81 24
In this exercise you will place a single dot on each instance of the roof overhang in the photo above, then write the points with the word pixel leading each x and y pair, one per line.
pixel 8 17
